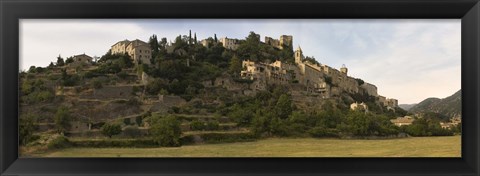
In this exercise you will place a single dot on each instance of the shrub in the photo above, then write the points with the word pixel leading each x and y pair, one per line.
pixel 175 109
pixel 212 125
pixel 186 140
pixel 122 75
pixel 132 131
pixel 322 132
pixel 139 120
pixel 197 125
pixel 127 121
pixel 165 130
pixel 227 137
pixel 59 143
pixel 26 129
pixel 111 129
pixel 114 143
pixel 134 102
pixel 98 125
pixel 62 119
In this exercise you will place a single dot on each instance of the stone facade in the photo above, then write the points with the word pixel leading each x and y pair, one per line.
pixel 138 50
pixel 82 58
pixel 317 78
pixel 285 40
pixel 370 89
pixel 401 121
pixel 360 106
pixel 263 74
pixel 230 43
pixel 391 102
pixel 120 47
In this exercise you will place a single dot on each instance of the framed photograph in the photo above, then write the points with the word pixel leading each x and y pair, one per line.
pixel 239 87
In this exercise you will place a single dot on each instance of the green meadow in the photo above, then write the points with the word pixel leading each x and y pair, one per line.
pixel 449 146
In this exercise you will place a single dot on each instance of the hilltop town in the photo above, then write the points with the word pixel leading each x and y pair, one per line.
pixel 231 89
pixel 316 79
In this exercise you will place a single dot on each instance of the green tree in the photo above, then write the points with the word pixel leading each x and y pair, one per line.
pixel 267 123
pixel 195 39
pixel 110 130
pixel 235 66
pixel 60 61
pixel 26 128
pixel 163 44
pixel 165 130
pixel 62 120
pixel 132 131
pixel 69 60
pixel 283 107
pixel 180 43
pixel 212 125
pixel 241 115
pixel 197 125
pixel 250 48
pixel 32 69
pixel 153 41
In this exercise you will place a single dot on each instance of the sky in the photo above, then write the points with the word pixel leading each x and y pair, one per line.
pixel 407 59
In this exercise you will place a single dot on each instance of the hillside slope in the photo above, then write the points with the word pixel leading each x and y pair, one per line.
pixel 449 106
pixel 406 107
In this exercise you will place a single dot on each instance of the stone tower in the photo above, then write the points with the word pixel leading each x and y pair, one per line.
pixel 298 55
pixel 344 69
pixel 286 40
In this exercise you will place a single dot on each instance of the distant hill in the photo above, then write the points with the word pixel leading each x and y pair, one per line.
pixel 449 106
pixel 406 107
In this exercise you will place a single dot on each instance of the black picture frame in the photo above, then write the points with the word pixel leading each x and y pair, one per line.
pixel 466 10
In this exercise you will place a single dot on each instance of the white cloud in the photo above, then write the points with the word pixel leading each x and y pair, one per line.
pixel 421 60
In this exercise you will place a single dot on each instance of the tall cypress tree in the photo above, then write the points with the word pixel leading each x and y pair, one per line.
pixel 153 41
pixel 190 37
pixel 195 38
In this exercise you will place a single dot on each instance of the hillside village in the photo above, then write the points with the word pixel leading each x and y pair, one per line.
pixel 214 86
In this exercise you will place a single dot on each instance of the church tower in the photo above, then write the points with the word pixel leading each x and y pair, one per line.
pixel 298 55
pixel 344 69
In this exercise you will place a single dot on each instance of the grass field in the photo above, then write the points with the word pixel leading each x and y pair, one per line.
pixel 286 147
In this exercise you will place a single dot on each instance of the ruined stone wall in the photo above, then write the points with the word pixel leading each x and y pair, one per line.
pixel 171 100
pixel 382 100
pixel 67 91
pixel 229 84
pixel 272 42
pixel 109 92
pixel 392 102
pixel 370 89
pixel 286 40
pixel 79 126
pixel 310 76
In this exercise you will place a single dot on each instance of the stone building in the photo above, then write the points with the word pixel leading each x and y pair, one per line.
pixel 370 89
pixel 285 40
pixel 229 43
pixel 138 50
pixel 315 77
pixel 82 58
pixel 391 102
pixel 263 74
pixel 359 106
pixel 207 42
pixel 401 121
pixel 120 47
